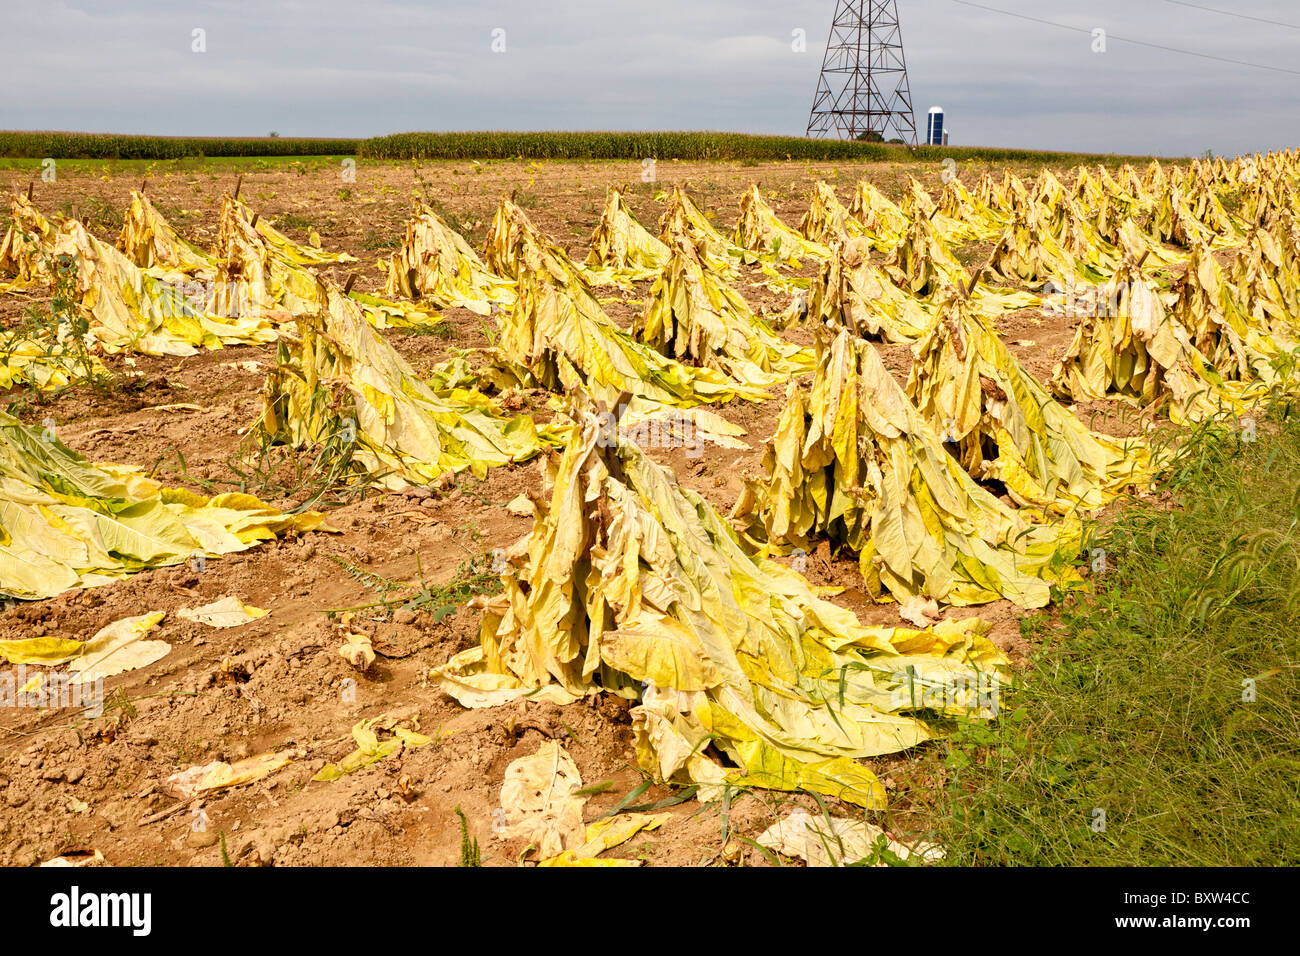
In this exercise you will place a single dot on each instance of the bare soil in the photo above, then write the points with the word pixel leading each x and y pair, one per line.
pixel 279 683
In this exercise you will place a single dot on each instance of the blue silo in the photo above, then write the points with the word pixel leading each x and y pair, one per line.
pixel 934 127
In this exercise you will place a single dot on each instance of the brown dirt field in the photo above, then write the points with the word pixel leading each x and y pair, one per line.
pixel 278 682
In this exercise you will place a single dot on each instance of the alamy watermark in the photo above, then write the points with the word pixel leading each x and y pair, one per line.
pixel 975 693
pixel 668 431
pixel 1081 299
pixel 41 688
pixel 194 297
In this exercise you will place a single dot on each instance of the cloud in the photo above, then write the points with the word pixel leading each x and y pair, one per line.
pixel 340 67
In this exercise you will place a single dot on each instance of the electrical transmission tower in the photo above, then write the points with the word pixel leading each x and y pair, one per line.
pixel 863 91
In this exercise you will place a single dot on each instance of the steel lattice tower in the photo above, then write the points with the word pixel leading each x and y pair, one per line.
pixel 863 86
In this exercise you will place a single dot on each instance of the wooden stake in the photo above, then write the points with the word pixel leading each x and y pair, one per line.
pixel 164 814
pixel 621 405
pixel 987 265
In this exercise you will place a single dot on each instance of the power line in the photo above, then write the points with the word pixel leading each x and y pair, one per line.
pixel 1123 39
pixel 1233 13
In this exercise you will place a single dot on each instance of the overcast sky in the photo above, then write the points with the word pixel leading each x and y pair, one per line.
pixel 367 67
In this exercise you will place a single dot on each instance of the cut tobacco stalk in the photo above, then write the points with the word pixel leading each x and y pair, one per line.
pixel 917 206
pixel 1174 221
pixel 683 220
pixel 67 523
pixel 1265 280
pixel 851 292
pixel 826 220
pixel 24 250
pixel 982 222
pixel 558 337
pixel 288 249
pixel 759 230
pixel 633 585
pixel 1028 253
pixel 1132 347
pixel 1227 337
pixel 883 221
pixel 341 384
pixel 854 461
pixel 621 243
pixel 1004 426
pixel 920 263
pixel 695 317
pixel 149 241
pixel 270 275
pixel 436 263
pixel 151 311
pixel 513 239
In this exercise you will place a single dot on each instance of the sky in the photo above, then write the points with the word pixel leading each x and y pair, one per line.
pixel 369 67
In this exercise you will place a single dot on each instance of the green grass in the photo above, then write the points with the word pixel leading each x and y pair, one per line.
pixel 1139 703
pixel 28 148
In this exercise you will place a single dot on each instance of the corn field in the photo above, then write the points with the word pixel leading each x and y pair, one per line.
pixel 685 146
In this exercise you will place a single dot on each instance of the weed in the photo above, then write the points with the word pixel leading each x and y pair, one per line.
pixel 270 465
pixel 95 213
pixel 291 220
pixel 469 851
pixel 183 469
pixel 118 700
pixel 373 240
pixel 439 330
pixel 60 334
pixel 471 579
pixel 369 579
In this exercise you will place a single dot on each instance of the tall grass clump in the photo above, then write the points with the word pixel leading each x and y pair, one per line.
pixel 1159 723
